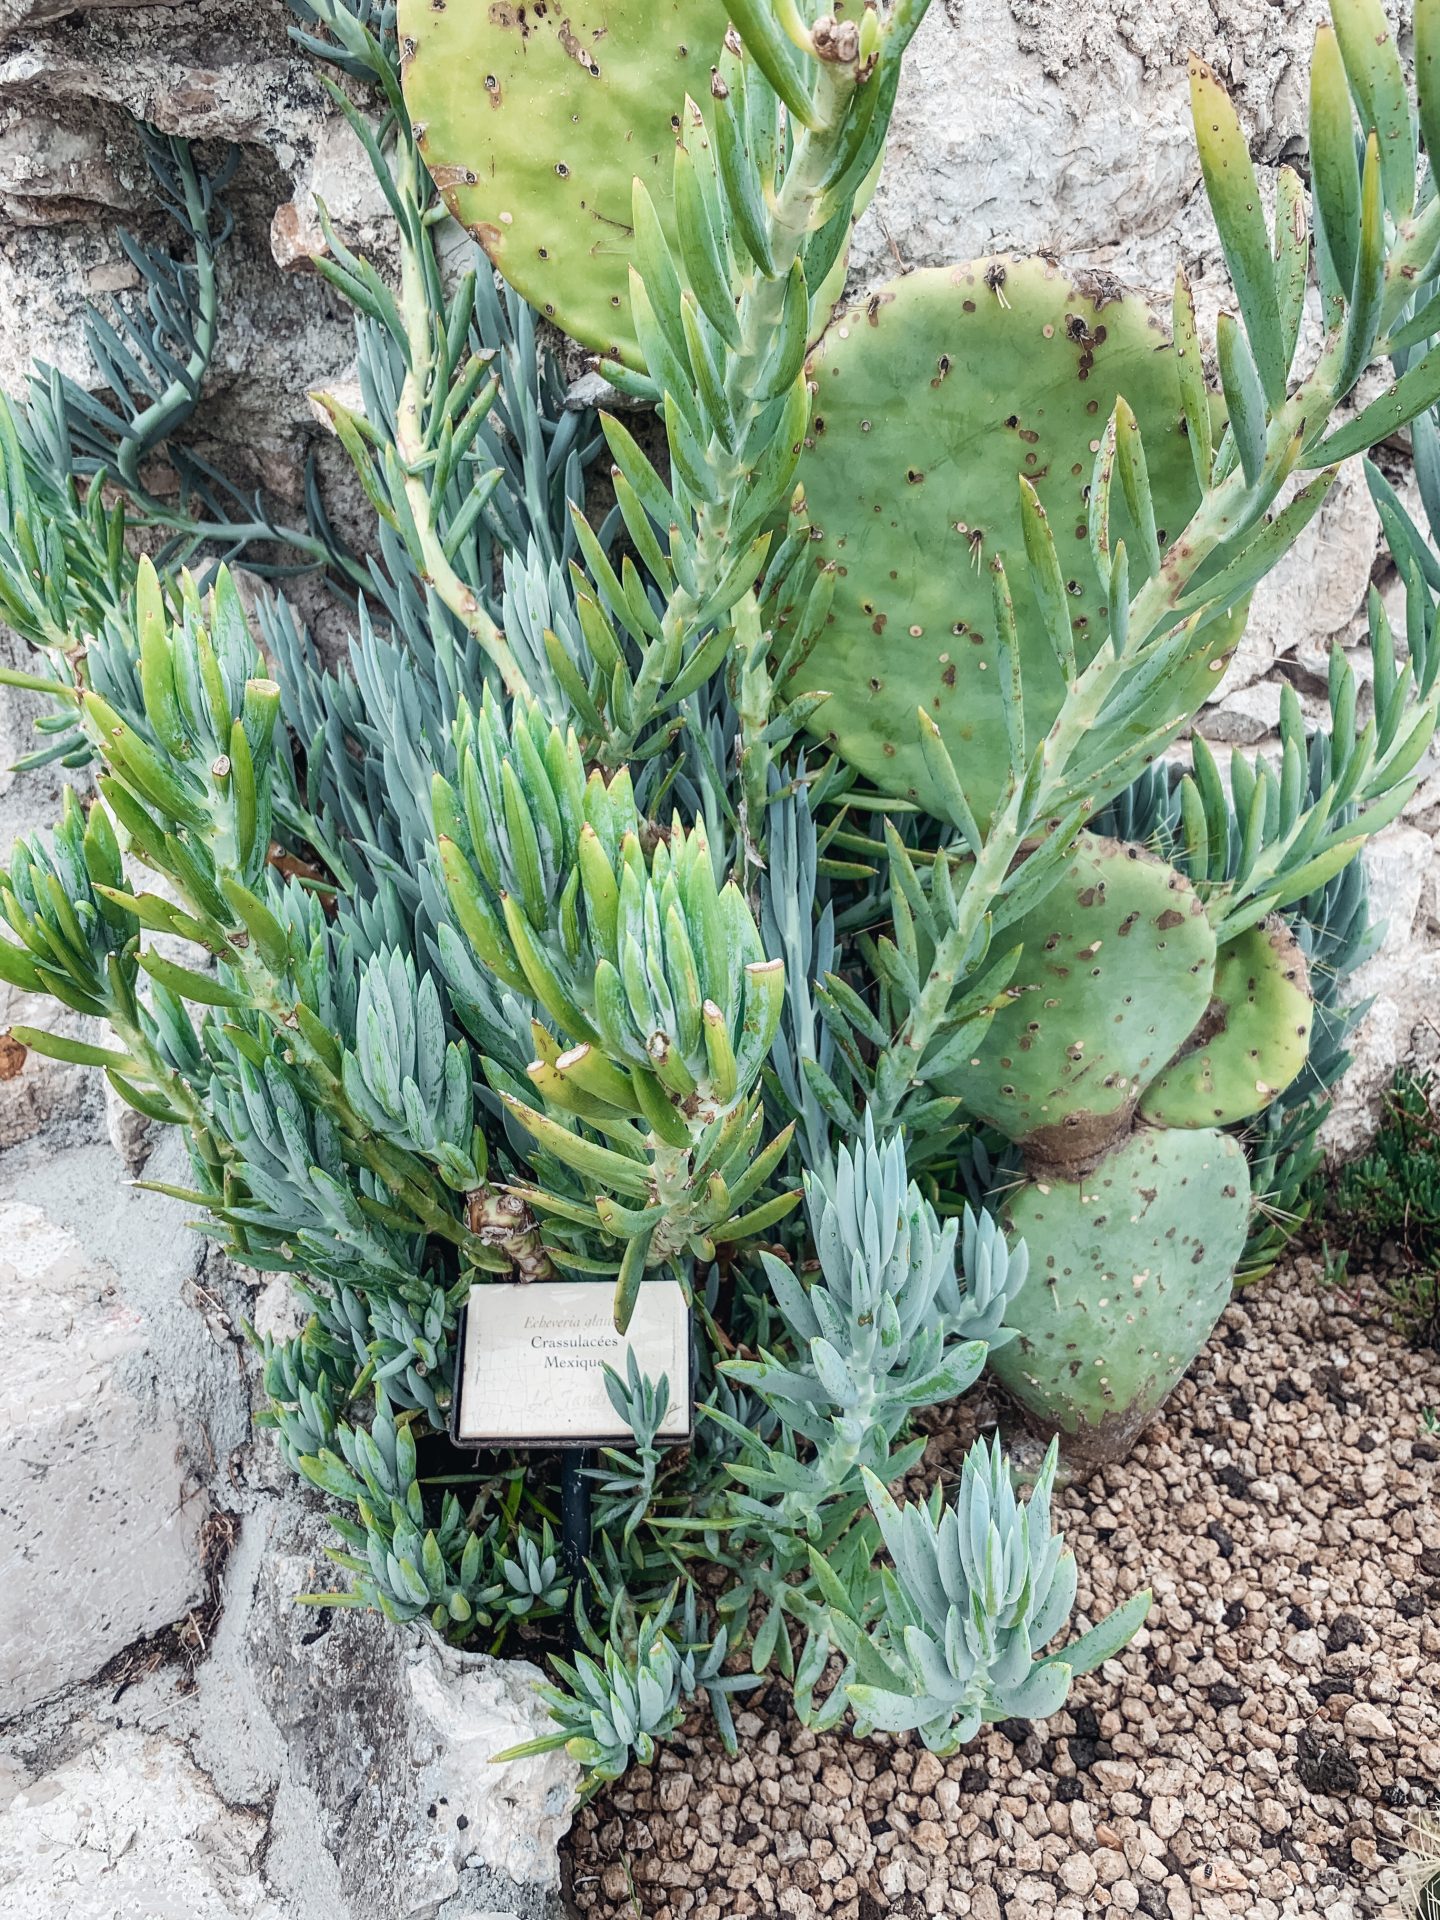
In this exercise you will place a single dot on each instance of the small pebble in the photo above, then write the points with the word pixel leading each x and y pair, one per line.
pixel 1222 1876
pixel 1077 1874
pixel 1364 1722
pixel 1167 1816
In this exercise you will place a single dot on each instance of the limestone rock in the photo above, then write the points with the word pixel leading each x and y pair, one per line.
pixel 131 1830
pixel 384 1742
pixel 1074 164
pixel 480 1707
pixel 1245 716
pixel 335 171
pixel 66 168
pixel 28 13
pixel 98 1525
pixel 1366 1722
pixel 131 1133
pixel 1314 600
pixel 1319 589
pixel 1074 136
pixel 35 1091
pixel 1402 981
pixel 72 171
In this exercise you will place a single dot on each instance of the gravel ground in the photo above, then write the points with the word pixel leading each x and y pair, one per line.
pixel 1262 1748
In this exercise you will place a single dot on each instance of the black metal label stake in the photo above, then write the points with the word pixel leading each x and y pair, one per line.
pixel 575 1521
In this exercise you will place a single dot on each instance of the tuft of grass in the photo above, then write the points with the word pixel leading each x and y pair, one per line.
pixel 1393 1195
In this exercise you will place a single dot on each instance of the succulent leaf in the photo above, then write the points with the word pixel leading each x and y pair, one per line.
pixel 1116 969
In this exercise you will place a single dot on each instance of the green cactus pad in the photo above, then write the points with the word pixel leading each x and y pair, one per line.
pixel 1117 969
pixel 1254 1039
pixel 930 399
pixel 535 119
pixel 1130 1268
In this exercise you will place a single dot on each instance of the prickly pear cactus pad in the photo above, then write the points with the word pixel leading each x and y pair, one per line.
pixel 1130 1268
pixel 535 119
pixel 1254 1039
pixel 930 399
pixel 1117 969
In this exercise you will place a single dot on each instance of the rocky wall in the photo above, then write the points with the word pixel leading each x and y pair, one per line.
pixel 177 1735
pixel 184 1738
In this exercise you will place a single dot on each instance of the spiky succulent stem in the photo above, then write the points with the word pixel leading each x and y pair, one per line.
pixel 413 438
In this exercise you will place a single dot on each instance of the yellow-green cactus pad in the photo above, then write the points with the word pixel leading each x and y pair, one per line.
pixel 931 399
pixel 535 119
pixel 1130 1268
pixel 1254 1039
pixel 1117 968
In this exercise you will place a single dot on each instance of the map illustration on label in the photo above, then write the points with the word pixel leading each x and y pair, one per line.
pixel 532 1363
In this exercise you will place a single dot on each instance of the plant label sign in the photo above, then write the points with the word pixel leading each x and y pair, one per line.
pixel 532 1359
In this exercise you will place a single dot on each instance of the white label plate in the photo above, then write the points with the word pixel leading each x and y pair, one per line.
pixel 532 1360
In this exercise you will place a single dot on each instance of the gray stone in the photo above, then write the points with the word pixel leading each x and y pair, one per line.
pixel 131 1830
pixel 124 1408
pixel 1319 588
pixel 989 153
pixel 1402 982
pixel 73 172
pixel 1366 1722
pixel 28 13
pixel 479 1707
pixel 131 1133
pixel 373 1745
pixel 1067 130
pixel 37 1092
pixel 388 1744
pixel 1244 716
pixel 342 1729
pixel 98 1526
pixel 335 172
